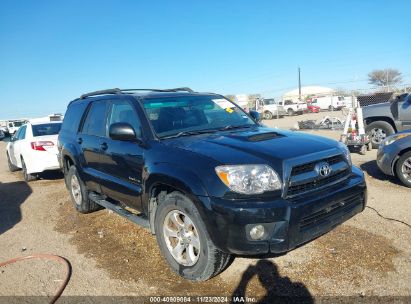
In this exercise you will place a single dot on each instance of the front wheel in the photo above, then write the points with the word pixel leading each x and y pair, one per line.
pixel 378 131
pixel 12 168
pixel 183 239
pixel 290 112
pixel 403 169
pixel 268 115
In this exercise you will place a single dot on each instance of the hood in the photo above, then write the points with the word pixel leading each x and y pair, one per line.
pixel 257 145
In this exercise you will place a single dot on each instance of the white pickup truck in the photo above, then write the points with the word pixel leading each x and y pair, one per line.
pixel 292 108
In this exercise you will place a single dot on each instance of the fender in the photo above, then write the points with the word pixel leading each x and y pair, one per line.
pixel 175 176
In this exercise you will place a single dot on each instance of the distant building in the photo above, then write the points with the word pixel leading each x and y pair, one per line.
pixel 307 91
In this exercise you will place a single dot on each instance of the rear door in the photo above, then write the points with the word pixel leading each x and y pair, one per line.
pixel 12 148
pixel 404 112
pixel 18 144
pixel 122 162
pixel 90 139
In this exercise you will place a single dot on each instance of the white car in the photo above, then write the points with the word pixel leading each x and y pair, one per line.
pixel 34 149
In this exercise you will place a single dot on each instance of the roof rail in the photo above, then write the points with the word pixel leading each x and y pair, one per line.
pixel 101 92
pixel 185 89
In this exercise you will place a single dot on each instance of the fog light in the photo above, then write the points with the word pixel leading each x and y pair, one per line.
pixel 257 232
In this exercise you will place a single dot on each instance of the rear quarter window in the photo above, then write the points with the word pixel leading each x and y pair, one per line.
pixel 73 116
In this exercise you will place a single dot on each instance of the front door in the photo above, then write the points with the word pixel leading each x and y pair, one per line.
pixel 122 162
pixel 404 112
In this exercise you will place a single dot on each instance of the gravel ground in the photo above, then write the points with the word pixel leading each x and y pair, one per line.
pixel 366 256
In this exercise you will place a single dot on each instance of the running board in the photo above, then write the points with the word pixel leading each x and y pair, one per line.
pixel 139 220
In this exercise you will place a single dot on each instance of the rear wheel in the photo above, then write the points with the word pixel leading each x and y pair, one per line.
pixel 183 239
pixel 79 193
pixel 378 131
pixel 403 169
pixel 12 167
pixel 268 115
pixel 28 177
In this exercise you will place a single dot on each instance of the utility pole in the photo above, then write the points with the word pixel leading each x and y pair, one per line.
pixel 299 84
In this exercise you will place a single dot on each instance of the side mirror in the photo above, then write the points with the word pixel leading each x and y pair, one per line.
pixel 122 131
pixel 255 115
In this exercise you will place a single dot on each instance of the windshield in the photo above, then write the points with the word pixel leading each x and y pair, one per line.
pixel 269 101
pixel 171 116
pixel 46 129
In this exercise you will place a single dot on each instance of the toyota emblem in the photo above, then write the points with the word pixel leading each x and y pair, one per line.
pixel 323 169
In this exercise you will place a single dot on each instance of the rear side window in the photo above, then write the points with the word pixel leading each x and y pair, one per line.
pixel 95 123
pixel 46 129
pixel 22 134
pixel 73 116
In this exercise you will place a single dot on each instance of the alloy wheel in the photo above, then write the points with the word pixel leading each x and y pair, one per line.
pixel 76 190
pixel 406 169
pixel 181 237
pixel 378 135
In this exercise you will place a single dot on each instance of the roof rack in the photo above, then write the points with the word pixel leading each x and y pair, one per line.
pixel 183 89
pixel 119 91
pixel 101 92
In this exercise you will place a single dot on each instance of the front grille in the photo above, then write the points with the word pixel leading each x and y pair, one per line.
pixel 298 189
pixel 307 167
pixel 322 215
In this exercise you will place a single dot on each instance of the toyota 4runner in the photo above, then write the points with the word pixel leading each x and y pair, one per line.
pixel 207 179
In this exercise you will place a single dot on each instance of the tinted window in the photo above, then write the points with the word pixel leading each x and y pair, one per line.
pixel 96 118
pixel 46 129
pixel 22 133
pixel 73 116
pixel 122 111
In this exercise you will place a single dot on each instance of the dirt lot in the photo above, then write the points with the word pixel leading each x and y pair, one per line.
pixel 367 255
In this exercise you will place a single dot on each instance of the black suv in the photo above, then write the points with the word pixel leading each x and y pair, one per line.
pixel 204 176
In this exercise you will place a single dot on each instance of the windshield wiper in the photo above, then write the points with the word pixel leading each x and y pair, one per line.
pixel 188 133
pixel 231 127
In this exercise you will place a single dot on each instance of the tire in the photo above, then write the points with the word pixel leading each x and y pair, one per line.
pixel 331 108
pixel 290 112
pixel 378 131
pixel 363 150
pixel 79 193
pixel 12 168
pixel 403 169
pixel 180 215
pixel 27 176
pixel 268 115
pixel 369 146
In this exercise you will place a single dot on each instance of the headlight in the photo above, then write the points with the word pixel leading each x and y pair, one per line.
pixel 347 153
pixel 249 179
pixel 391 139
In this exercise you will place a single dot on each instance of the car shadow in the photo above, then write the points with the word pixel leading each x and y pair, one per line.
pixel 278 289
pixel 12 196
pixel 51 175
pixel 372 170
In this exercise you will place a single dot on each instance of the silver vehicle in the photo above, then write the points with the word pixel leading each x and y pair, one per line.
pixel 394 156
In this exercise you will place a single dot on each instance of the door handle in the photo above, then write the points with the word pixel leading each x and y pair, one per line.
pixel 80 140
pixel 104 146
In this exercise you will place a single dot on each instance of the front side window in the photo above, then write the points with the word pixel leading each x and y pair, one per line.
pixel 122 111
pixel 95 121
pixel 46 129
pixel 170 116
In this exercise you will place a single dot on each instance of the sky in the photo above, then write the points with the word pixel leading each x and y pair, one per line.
pixel 53 51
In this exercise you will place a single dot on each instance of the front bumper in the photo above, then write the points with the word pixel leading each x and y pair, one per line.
pixel 385 158
pixel 289 222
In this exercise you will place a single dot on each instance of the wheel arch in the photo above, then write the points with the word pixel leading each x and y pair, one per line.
pixel 372 119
